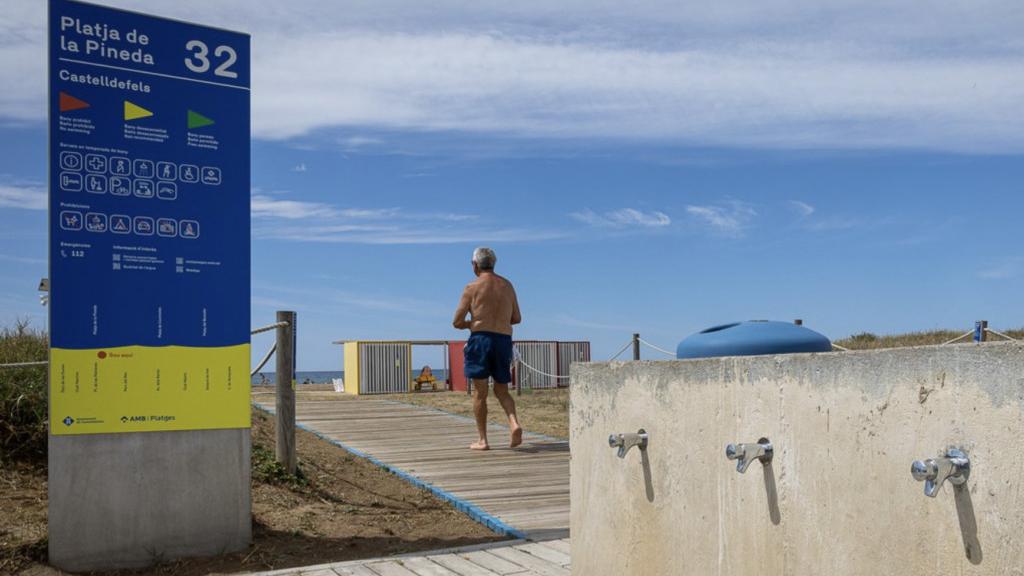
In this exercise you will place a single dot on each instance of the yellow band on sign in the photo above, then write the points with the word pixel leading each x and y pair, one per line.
pixel 148 389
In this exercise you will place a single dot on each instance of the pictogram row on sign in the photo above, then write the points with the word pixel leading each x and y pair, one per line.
pixel 75 163
pixel 75 221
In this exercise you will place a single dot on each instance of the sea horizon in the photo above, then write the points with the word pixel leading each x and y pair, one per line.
pixel 322 376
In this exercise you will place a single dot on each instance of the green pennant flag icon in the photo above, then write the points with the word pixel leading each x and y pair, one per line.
pixel 197 120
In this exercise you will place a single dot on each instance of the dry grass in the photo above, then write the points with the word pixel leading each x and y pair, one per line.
pixel 22 515
pixel 869 341
pixel 542 411
pixel 22 395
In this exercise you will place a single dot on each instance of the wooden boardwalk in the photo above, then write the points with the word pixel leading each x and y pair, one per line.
pixel 524 492
pixel 548 558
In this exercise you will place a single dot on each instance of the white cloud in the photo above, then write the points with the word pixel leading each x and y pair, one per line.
pixel 300 167
pixel 370 213
pixel 813 220
pixel 833 223
pixel 729 219
pixel 334 300
pixel 761 95
pixel 22 259
pixel 264 206
pixel 569 320
pixel 353 143
pixel 384 303
pixel 802 208
pixel 26 195
pixel 843 74
pixel 625 217
pixel 1002 270
pixel 327 223
pixel 403 234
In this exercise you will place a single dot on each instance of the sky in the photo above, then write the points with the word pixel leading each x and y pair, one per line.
pixel 654 167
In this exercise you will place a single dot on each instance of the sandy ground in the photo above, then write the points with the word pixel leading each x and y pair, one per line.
pixel 346 509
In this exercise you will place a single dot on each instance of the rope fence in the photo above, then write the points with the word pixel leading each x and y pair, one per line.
pixel 624 348
pixel 1001 335
pixel 266 358
pixel 519 360
pixel 24 364
pixel 652 346
pixel 541 372
pixel 268 328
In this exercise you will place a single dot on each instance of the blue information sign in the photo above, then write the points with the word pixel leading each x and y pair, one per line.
pixel 149 222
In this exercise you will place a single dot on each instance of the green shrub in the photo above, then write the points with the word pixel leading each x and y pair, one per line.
pixel 266 468
pixel 22 394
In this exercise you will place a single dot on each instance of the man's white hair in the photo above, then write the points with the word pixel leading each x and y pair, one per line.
pixel 484 258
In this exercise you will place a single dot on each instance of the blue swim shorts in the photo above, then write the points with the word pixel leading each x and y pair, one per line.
pixel 489 354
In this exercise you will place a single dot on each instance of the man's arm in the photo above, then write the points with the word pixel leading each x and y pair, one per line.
pixel 516 316
pixel 460 321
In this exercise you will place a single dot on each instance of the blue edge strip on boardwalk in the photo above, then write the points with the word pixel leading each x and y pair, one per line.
pixel 468 508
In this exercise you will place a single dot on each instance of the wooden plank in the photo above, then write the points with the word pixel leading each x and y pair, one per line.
pixel 526 488
pixel 426 567
pixel 508 559
pixel 536 565
pixel 461 566
pixel 562 545
pixel 494 563
pixel 546 553
pixel 355 571
pixel 390 568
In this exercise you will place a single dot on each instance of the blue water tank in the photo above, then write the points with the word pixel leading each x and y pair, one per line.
pixel 751 338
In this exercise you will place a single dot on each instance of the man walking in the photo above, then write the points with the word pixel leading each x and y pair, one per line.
pixel 490 301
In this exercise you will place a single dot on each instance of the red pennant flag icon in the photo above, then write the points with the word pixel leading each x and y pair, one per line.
pixel 69 103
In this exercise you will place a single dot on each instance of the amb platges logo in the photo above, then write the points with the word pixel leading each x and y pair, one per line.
pixel 68 421
pixel 130 419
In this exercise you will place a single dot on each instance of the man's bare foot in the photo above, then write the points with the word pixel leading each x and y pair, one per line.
pixel 517 437
pixel 479 446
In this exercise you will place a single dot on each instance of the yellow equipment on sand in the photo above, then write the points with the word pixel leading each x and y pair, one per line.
pixel 425 377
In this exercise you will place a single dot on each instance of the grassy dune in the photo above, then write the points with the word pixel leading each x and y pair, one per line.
pixel 22 395
pixel 869 341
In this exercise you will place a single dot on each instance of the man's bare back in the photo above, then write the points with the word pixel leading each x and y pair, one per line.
pixel 491 303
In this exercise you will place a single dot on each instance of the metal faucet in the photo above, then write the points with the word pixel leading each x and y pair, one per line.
pixel 626 441
pixel 747 453
pixel 955 466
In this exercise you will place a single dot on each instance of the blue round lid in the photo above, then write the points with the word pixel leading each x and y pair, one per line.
pixel 751 338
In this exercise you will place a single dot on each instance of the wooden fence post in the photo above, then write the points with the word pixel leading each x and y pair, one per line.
pixel 636 346
pixel 285 383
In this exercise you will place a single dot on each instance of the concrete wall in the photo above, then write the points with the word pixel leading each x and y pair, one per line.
pixel 838 498
pixel 129 500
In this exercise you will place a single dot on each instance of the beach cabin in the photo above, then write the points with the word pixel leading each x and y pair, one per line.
pixel 539 363
pixel 386 366
pixel 382 366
